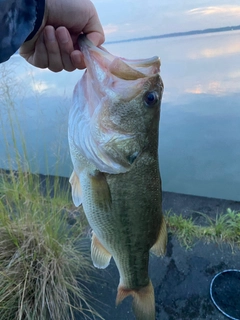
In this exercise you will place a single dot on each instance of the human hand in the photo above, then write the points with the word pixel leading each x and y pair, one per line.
pixel 55 44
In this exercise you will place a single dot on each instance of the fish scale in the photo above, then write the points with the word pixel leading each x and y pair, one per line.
pixel 114 150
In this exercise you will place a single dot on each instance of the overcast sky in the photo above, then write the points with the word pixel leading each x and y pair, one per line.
pixel 124 19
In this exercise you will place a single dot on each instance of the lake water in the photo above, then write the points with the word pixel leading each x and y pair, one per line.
pixel 200 117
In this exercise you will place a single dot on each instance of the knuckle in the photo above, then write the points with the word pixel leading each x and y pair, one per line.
pixel 69 68
pixel 55 68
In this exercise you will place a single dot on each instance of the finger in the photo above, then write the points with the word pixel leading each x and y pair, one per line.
pixel 39 58
pixel 94 30
pixel 53 51
pixel 35 53
pixel 66 47
pixel 96 38
pixel 77 59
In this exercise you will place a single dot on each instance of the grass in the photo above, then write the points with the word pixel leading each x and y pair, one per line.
pixel 42 266
pixel 44 269
pixel 225 227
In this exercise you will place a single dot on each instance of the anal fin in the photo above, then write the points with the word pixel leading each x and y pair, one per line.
pixel 100 256
pixel 159 248
pixel 76 189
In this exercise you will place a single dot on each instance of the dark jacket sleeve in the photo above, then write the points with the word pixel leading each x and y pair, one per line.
pixel 19 20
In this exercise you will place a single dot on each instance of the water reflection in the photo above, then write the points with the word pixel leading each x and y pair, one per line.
pixel 200 146
pixel 217 48
pixel 200 120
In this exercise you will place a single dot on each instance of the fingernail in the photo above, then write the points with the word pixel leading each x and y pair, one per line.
pixel 63 36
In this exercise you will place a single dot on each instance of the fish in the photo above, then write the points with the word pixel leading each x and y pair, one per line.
pixel 113 134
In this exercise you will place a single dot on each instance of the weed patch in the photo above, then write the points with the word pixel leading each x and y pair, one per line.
pixel 42 265
pixel 225 227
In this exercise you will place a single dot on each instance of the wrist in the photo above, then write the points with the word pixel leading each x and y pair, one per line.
pixel 41 18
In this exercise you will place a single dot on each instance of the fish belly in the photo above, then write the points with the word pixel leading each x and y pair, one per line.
pixel 124 211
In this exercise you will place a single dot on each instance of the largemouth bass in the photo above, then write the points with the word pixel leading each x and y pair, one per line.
pixel 113 139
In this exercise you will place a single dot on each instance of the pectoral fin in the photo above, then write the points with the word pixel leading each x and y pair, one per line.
pixel 101 195
pixel 159 248
pixel 100 256
pixel 76 189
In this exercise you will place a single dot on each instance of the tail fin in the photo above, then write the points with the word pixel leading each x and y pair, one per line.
pixel 143 301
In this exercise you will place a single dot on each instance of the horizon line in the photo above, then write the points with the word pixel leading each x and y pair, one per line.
pixel 178 34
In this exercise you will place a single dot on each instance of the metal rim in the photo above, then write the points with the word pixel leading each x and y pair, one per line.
pixel 211 285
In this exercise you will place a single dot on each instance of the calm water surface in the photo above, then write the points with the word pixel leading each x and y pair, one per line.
pixel 200 119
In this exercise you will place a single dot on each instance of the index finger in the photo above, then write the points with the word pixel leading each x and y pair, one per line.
pixel 94 30
pixel 96 38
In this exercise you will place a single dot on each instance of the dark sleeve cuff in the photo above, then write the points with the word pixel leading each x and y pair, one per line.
pixel 40 8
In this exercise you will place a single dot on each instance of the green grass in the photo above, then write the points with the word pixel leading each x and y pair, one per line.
pixel 224 227
pixel 41 263
pixel 43 267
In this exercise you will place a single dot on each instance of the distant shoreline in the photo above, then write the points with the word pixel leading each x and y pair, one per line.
pixel 179 34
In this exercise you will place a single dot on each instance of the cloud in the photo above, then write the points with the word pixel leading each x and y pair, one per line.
pixel 234 75
pixel 165 16
pixel 213 87
pixel 126 30
pixel 211 53
pixel 217 49
pixel 228 10
pixel 40 86
pixel 110 28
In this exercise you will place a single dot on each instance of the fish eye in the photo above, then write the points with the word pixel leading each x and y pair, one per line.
pixel 151 98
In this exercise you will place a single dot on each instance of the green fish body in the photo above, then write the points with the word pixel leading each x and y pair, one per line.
pixel 113 139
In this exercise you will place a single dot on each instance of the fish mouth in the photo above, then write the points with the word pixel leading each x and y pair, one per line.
pixel 126 69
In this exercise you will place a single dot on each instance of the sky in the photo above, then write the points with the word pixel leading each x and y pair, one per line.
pixel 125 19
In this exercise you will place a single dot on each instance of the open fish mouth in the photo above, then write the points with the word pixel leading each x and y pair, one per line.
pixel 115 103
pixel 122 68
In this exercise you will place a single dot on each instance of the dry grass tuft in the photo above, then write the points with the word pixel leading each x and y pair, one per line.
pixel 42 267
